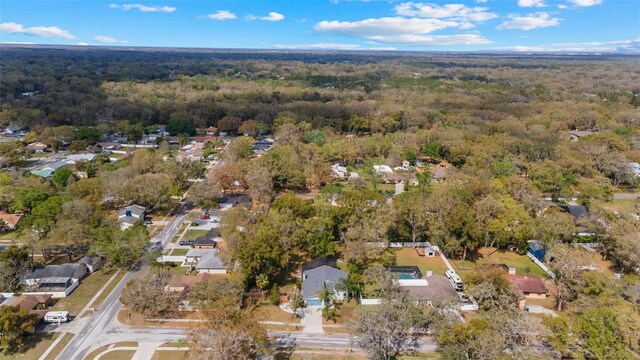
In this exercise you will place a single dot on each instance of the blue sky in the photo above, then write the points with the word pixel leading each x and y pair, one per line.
pixel 456 25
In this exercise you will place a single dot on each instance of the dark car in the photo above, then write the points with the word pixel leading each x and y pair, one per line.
pixel 186 242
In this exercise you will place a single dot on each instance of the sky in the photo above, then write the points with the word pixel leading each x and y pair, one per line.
pixel 436 25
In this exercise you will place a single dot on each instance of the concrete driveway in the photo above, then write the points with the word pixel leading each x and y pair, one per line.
pixel 312 320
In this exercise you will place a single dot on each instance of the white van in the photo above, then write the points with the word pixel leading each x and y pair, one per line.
pixel 57 317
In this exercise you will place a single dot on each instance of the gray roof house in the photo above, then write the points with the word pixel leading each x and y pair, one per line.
pixel 317 278
pixel 205 261
pixel 57 280
pixel 130 215
pixel 577 211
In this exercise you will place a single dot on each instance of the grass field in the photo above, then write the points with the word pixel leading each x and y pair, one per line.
pixel 193 234
pixel 169 355
pixel 35 346
pixel 274 313
pixel 79 298
pixel 109 289
pixel 491 256
pixel 118 355
pixel 409 257
pixel 178 252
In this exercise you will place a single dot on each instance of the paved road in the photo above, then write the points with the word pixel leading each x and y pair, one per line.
pixel 92 333
pixel 281 338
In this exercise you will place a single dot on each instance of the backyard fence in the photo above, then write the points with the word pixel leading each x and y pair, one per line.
pixel 541 265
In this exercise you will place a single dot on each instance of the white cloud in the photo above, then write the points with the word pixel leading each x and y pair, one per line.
pixel 105 39
pixel 432 40
pixel 528 22
pixel 400 30
pixel 222 15
pixel 82 43
pixel 331 46
pixel 531 3
pixel 449 11
pixel 600 46
pixel 320 46
pixel 144 8
pixel 18 42
pixel 482 1
pixel 273 16
pixel 40 31
pixel 384 26
pixel 585 3
pixel 561 6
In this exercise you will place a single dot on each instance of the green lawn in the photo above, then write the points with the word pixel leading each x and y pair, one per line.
pixel 108 290
pixel 59 347
pixel 79 298
pixel 489 256
pixel 169 355
pixel 118 355
pixel 178 252
pixel 34 347
pixel 409 257
pixel 193 234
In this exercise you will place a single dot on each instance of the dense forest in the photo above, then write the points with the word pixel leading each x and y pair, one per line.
pixel 521 138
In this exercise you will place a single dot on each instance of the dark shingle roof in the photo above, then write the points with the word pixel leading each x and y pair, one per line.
pixel 74 271
pixel 315 280
pixel 576 210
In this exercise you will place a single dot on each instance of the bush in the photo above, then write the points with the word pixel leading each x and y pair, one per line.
pixel 274 295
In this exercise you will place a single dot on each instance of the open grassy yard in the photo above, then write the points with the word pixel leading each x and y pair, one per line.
pixel 35 346
pixel 345 313
pixel 193 234
pixel 409 257
pixel 170 355
pixel 118 355
pixel 178 252
pixel 79 298
pixel 492 256
pixel 269 312
pixel 625 206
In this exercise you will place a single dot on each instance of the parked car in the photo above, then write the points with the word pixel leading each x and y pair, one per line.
pixel 205 217
pixel 186 242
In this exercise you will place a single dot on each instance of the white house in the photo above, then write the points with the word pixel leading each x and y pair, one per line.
pixel 130 215
pixel 382 169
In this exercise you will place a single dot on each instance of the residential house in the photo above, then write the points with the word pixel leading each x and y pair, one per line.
pixel 13 129
pixel 47 170
pixel 32 302
pixel 532 287
pixel 93 263
pixel 130 215
pixel 339 172
pixel 316 277
pixel 192 152
pixel 205 261
pixel 204 139
pixel 75 158
pixel 635 168
pixel 381 169
pixel 578 134
pixel 396 178
pixel 10 220
pixel 57 280
pixel 109 146
pixel 37 148
pixel 183 283
pixel 204 242
pixel 439 173
pixel 577 211
pixel 428 290
pixel 211 131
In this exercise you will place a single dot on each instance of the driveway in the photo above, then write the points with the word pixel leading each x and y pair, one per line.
pixel 312 320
